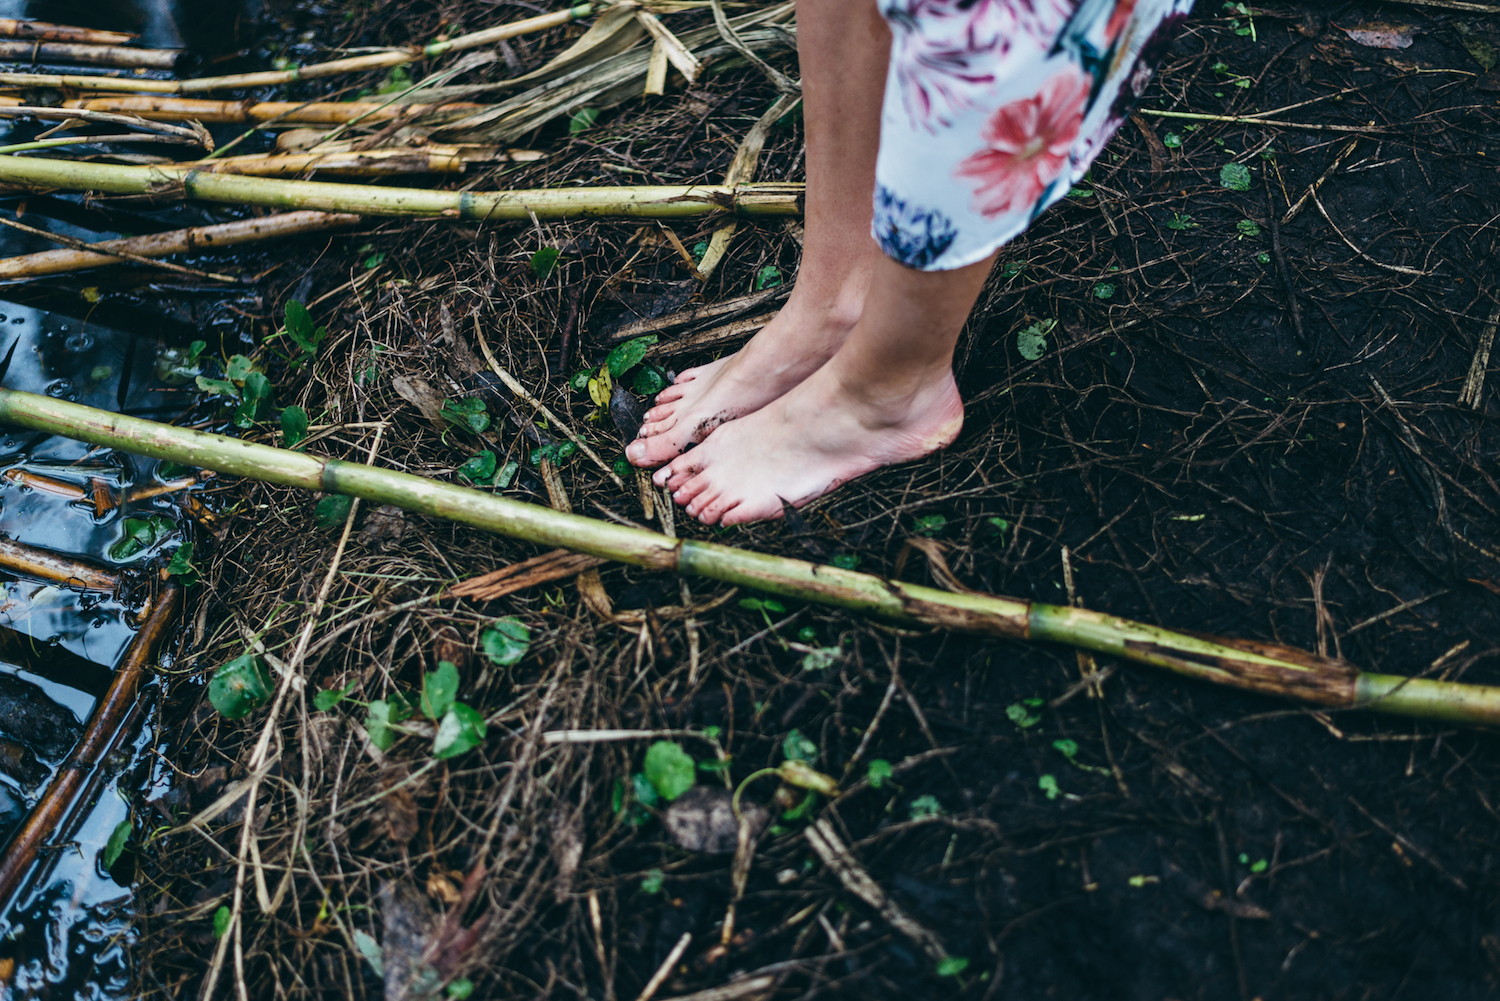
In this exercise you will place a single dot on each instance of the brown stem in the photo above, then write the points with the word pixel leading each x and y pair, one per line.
pixel 44 31
pixel 29 561
pixel 89 55
pixel 79 772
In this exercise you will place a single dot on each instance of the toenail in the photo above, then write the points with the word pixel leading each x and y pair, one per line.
pixel 636 450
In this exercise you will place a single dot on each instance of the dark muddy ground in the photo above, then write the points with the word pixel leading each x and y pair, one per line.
pixel 1252 430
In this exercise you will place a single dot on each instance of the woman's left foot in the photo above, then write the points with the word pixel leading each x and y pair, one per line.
pixel 828 430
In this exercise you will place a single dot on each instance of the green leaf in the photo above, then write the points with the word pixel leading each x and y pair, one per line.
pixel 925 806
pixel 669 769
pixel 878 771
pixel 1048 785
pixel 715 766
pixel 580 380
pixel 195 351
pixel 1104 290
pixel 332 510
pixel 218 387
pixel 952 966
pixel 650 381
pixel 644 790
pixel 299 326
pixel 330 697
pixel 846 561
pixel 1235 176
pixel 506 641
pixel 1000 525
pixel 544 260
pixel 221 921
pixel 370 949
pixel 1181 222
pixel 1483 52
pixel 239 686
pixel 462 729
pixel 293 426
pixel 181 565
pixel 256 400
pixel 470 413
pixel 930 524
pixel 627 356
pixel 767 277
pixel 439 689
pixel 101 372
pixel 115 846
pixel 238 369
pixel 140 534
pixel 796 747
pixel 653 882
pixel 762 605
pixel 1260 866
pixel 378 725
pixel 1172 140
pixel 479 468
pixel 374 261
pixel 1031 341
pixel 507 475
pixel 1247 227
pixel 1263 257
pixel 1067 748
pixel 460 989
pixel 821 659
pixel 1022 716
pixel 582 120
pixel 557 453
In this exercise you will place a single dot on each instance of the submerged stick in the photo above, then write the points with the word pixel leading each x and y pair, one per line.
pixel 89 55
pixel 1266 668
pixel 177 241
pixel 79 770
pixel 57 568
pixel 673 201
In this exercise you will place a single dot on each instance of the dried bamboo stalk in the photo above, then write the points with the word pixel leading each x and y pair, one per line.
pixel 45 31
pixel 1265 668
pixel 652 202
pixel 371 163
pixel 177 241
pixel 43 564
pixel 79 54
pixel 70 785
pixel 173 109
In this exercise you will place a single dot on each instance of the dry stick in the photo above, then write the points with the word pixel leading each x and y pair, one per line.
pixel 29 561
pixel 514 385
pixel 1242 120
pixel 674 201
pixel 742 171
pixel 172 109
pixel 89 55
pixel 74 774
pixel 45 31
pixel 370 163
pixel 260 755
pixel 1473 387
pixel 1350 244
pixel 198 135
pixel 177 241
pixel 665 970
pixel 1316 186
pixel 68 241
pixel 835 855
pixel 1248 665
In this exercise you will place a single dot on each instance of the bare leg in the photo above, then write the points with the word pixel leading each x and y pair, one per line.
pixel 843 49
pixel 886 396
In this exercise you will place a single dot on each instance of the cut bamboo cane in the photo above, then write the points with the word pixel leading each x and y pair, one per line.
pixel 178 241
pixel 77 54
pixel 43 564
pixel 1264 668
pixel 650 202
pixel 175 109
pixel 372 163
pixel 45 31
pixel 81 768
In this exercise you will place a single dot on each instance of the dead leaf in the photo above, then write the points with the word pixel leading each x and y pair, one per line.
pixel 1381 35
pixel 556 565
pixel 442 888
pixel 383 528
pixel 702 820
pixel 567 850
pixel 410 923
pixel 420 394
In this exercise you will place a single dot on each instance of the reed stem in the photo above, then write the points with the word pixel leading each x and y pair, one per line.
pixel 44 31
pixel 79 54
pixel 655 202
pixel 1265 668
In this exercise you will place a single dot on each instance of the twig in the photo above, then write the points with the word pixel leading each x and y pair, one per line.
pixel 1350 243
pixel 94 248
pixel 782 82
pixel 514 385
pixel 1317 185
pixel 1473 387
pixel 665 970
pixel 1244 120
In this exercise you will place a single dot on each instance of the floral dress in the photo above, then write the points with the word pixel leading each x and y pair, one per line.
pixel 994 108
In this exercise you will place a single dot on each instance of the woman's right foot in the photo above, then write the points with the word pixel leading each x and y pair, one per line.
pixel 793 346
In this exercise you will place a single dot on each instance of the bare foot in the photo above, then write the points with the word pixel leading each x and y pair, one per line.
pixel 825 432
pixel 787 350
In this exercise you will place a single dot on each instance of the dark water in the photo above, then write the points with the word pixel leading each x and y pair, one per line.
pixel 106 340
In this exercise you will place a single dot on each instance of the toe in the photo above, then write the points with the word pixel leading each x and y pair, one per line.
pixel 656 427
pixel 722 504
pixel 650 452
pixel 692 486
pixel 742 514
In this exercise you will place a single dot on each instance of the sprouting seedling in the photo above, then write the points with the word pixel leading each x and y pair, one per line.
pixel 1024 714
pixel 1069 750
pixel 1181 221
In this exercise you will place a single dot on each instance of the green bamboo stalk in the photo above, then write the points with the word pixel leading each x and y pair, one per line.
pixel 675 201
pixel 1265 668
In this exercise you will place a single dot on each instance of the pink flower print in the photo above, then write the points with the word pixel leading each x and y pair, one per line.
pixel 1028 143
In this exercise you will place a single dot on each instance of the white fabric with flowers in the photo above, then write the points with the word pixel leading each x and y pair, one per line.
pixel 994 108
